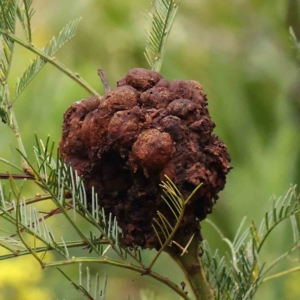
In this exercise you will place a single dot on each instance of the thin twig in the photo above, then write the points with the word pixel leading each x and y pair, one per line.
pixel 187 245
pixel 16 176
pixel 10 164
pixel 52 60
pixel 180 247
pixel 104 80
pixel 43 249
pixel 281 274
pixel 142 271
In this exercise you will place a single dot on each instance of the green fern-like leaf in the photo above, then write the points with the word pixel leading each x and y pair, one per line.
pixel 7 22
pixel 25 13
pixel 4 111
pixel 283 208
pixel 67 191
pixel 8 14
pixel 28 220
pixel 87 290
pixel 50 49
pixel 160 22
pixel 56 179
pixel 168 228
pixel 245 272
pixel 217 272
pixel 175 202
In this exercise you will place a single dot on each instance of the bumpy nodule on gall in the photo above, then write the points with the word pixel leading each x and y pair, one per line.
pixel 125 143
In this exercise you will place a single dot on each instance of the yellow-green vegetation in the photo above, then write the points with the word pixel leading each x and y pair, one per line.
pixel 21 279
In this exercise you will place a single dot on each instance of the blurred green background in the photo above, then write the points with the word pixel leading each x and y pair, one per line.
pixel 240 51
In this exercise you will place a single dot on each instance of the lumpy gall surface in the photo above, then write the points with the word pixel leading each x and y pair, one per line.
pixel 124 144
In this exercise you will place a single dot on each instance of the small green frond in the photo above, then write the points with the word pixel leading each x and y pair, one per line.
pixel 79 288
pixel 50 59
pixel 160 21
pixel 8 13
pixel 50 49
pixel 175 202
pixel 87 290
pixel 217 273
pixel 27 219
pixel 161 229
pixel 157 234
pixel 164 228
pixel 103 290
pixel 25 13
pixel 11 244
pixel 5 103
pixel 240 278
pixel 64 36
pixel 282 209
pixel 165 222
pixel 68 192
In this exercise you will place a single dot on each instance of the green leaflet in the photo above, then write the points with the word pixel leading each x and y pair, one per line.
pixel 25 13
pixel 50 49
pixel 240 277
pixel 160 22
pixel 7 22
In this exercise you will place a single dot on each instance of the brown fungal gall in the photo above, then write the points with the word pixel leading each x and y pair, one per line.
pixel 174 127
pixel 98 119
pixel 189 89
pixel 121 98
pixel 181 107
pixel 144 129
pixel 156 97
pixel 153 149
pixel 140 79
pixel 123 126
pixel 203 126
